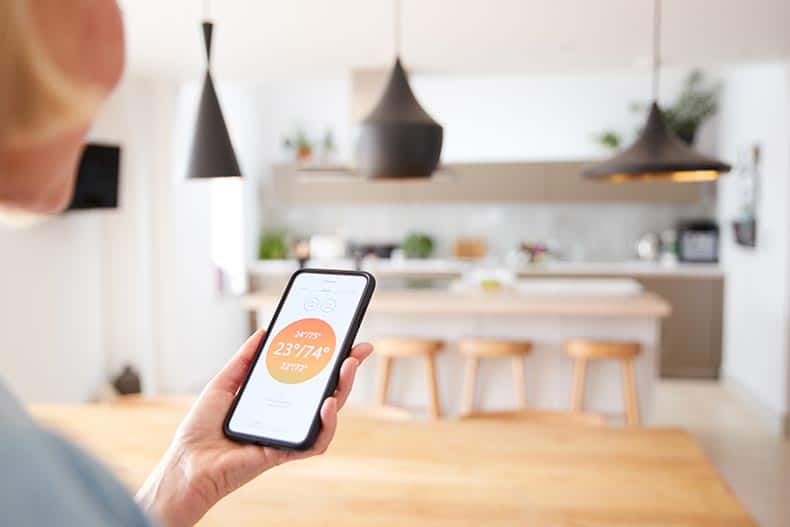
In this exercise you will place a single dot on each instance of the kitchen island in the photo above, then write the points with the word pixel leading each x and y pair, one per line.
pixel 691 335
pixel 545 320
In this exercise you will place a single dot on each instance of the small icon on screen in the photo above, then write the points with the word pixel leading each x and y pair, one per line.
pixel 328 305
pixel 311 304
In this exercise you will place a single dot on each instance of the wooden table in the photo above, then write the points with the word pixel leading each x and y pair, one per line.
pixel 441 473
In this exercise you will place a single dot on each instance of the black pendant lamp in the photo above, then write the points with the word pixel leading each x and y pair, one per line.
pixel 657 154
pixel 212 152
pixel 398 139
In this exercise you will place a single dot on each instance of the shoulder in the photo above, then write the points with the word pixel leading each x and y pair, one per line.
pixel 48 481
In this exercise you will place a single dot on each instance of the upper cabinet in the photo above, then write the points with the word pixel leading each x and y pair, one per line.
pixel 540 181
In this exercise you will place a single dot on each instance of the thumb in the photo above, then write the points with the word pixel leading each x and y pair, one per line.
pixel 232 374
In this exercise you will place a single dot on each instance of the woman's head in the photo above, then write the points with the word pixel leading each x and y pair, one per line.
pixel 58 63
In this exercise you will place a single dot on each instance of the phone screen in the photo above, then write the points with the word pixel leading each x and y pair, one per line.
pixel 287 382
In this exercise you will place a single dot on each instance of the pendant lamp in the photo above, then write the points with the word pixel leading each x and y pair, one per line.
pixel 398 139
pixel 212 153
pixel 657 154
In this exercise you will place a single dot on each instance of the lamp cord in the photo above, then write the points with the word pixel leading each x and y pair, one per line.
pixel 656 48
pixel 396 26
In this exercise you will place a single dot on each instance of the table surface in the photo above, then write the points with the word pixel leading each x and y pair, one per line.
pixel 440 473
pixel 445 302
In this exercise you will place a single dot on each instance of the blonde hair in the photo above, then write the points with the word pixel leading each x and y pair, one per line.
pixel 37 99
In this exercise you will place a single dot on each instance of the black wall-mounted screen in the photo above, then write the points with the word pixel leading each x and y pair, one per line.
pixel 97 178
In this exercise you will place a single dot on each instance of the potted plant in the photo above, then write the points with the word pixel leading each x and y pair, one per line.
pixel 417 245
pixel 328 146
pixel 697 102
pixel 299 145
pixel 273 246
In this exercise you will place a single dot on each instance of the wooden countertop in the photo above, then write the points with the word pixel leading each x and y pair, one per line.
pixel 440 473
pixel 449 268
pixel 444 302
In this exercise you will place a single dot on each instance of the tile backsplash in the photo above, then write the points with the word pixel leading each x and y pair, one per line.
pixel 590 232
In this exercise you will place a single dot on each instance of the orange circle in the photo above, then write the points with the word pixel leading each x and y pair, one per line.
pixel 301 350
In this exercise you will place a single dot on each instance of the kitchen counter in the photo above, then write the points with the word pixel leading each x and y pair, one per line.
pixel 627 268
pixel 546 320
pixel 452 268
pixel 691 334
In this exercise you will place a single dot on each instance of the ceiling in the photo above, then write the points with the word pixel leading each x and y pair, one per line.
pixel 260 39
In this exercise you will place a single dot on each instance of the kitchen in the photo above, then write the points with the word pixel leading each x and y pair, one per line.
pixel 465 229
pixel 594 351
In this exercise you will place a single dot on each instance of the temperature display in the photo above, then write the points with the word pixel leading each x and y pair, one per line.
pixel 301 350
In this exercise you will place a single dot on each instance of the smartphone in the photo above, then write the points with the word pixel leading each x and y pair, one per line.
pixel 297 364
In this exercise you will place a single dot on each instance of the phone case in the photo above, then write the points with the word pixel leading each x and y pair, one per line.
pixel 344 350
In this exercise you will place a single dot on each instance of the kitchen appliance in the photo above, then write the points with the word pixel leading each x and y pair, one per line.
pixel 325 247
pixel 698 241
pixel 363 250
pixel 648 246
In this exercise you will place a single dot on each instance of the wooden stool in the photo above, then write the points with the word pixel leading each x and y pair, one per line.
pixel 480 348
pixel 390 348
pixel 583 350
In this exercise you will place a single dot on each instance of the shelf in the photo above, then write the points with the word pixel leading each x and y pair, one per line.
pixel 535 182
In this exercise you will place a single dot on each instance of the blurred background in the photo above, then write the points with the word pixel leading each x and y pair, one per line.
pixel 156 277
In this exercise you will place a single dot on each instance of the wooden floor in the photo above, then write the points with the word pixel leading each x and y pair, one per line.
pixel 754 460
pixel 443 473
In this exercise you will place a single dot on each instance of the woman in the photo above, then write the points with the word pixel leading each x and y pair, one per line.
pixel 58 63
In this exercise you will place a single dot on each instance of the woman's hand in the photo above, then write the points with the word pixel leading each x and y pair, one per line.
pixel 202 466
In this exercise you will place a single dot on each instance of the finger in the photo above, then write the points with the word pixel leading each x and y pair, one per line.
pixel 348 372
pixel 328 427
pixel 361 351
pixel 232 374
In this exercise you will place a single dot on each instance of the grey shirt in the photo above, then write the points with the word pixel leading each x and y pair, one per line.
pixel 45 480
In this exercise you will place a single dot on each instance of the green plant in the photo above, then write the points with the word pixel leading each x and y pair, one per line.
pixel 417 245
pixel 697 103
pixel 299 144
pixel 273 246
pixel 609 139
pixel 328 143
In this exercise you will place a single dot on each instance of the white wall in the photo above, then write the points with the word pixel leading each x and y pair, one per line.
pixel 76 290
pixel 505 118
pixel 90 291
pixel 755 108
pixel 50 308
pixel 74 305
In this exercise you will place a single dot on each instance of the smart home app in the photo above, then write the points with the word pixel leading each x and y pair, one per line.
pixel 292 372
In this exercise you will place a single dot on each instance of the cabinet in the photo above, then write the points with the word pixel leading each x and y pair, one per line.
pixel 501 182
pixel 691 337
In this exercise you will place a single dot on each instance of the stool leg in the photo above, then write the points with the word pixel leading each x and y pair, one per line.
pixel 469 385
pixel 383 379
pixel 433 389
pixel 629 393
pixel 579 370
pixel 518 381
